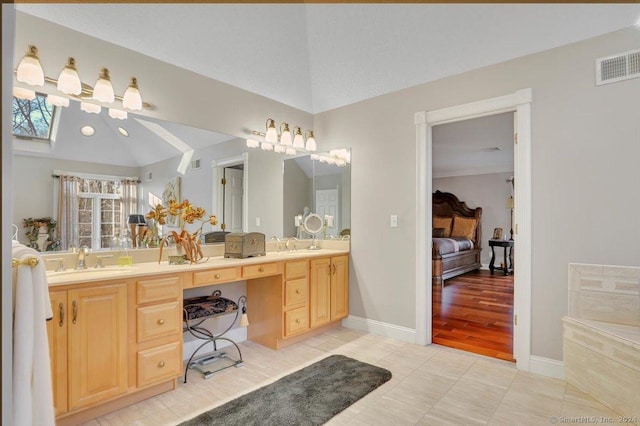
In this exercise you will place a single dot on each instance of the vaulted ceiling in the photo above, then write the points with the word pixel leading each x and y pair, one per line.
pixel 317 57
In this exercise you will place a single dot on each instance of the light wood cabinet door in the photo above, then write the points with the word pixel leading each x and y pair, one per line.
pixel 97 327
pixel 339 287
pixel 319 292
pixel 57 331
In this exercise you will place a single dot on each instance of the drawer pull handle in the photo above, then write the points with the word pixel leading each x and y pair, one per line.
pixel 261 269
pixel 298 321
pixel 75 311
pixel 161 364
pixel 298 291
pixel 160 321
pixel 217 276
pixel 61 308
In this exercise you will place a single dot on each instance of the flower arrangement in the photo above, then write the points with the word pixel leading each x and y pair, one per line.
pixel 187 214
pixel 35 228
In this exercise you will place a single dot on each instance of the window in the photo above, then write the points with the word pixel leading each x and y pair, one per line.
pixel 99 212
pixel 32 118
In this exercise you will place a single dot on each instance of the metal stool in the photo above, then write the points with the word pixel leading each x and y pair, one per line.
pixel 197 310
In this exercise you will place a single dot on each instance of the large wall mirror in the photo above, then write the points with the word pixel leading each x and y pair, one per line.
pixel 260 197
pixel 320 184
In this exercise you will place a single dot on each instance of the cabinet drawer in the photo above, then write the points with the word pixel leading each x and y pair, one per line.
pixel 158 364
pixel 159 320
pixel 296 292
pixel 216 276
pixel 158 289
pixel 261 270
pixel 296 269
pixel 296 321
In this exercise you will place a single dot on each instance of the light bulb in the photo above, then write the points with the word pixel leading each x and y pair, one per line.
pixel 90 108
pixel 272 135
pixel 58 100
pixel 298 139
pixel 311 142
pixel 22 93
pixel 103 90
pixel 252 143
pixel 29 69
pixel 132 99
pixel 285 137
pixel 68 80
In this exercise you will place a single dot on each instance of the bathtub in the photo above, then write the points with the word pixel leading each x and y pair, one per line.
pixel 601 335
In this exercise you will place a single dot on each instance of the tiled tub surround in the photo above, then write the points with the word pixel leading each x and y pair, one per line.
pixel 601 335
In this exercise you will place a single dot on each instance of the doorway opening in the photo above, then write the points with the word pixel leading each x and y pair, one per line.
pixel 473 162
pixel 520 103
pixel 230 195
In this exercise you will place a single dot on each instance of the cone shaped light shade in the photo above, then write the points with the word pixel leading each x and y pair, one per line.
pixel 311 142
pixel 132 99
pixel 252 143
pixel 22 93
pixel 90 108
pixel 285 137
pixel 103 90
pixel 57 100
pixel 298 140
pixel 68 80
pixel 272 135
pixel 29 69
pixel 117 113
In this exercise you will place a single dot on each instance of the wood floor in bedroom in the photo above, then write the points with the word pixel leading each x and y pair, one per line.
pixel 474 313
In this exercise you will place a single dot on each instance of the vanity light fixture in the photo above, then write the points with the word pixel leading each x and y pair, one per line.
pixel 285 142
pixel 22 93
pixel 69 80
pixel 117 113
pixel 90 108
pixel 29 69
pixel 123 131
pixel 58 101
pixel 87 130
pixel 103 89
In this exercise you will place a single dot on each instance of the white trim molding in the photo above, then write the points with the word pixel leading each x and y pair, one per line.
pixel 518 102
pixel 547 367
pixel 471 171
pixel 380 328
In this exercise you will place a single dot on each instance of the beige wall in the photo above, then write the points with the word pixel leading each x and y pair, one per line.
pixel 585 177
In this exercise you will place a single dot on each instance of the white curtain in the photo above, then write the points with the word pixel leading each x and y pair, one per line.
pixel 68 187
pixel 129 201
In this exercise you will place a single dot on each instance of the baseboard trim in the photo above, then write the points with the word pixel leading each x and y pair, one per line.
pixel 379 328
pixel 547 367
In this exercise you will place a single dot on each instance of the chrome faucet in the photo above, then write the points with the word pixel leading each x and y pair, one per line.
pixel 83 252
pixel 293 247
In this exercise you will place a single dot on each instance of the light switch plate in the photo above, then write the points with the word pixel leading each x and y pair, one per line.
pixel 257 221
pixel 394 220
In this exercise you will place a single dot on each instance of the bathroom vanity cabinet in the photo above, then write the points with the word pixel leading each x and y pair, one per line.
pixel 117 339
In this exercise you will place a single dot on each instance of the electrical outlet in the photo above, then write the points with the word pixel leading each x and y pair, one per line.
pixel 257 221
pixel 394 220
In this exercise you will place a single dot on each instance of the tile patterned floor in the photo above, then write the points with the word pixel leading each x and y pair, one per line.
pixel 431 385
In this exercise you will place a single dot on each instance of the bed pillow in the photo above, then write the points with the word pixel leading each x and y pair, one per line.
pixel 438 233
pixel 464 227
pixel 443 222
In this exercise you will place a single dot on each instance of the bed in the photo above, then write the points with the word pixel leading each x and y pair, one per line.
pixel 457 237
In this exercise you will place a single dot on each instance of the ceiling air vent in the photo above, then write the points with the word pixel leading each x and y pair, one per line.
pixel 149 176
pixel 195 164
pixel 621 66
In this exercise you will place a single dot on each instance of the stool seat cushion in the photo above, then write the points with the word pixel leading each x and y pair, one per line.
pixel 207 306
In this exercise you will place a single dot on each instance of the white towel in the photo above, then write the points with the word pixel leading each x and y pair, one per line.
pixel 32 386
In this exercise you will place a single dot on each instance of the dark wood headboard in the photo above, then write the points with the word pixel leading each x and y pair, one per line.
pixel 445 204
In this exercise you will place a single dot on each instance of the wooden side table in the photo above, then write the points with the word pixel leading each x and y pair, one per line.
pixel 508 261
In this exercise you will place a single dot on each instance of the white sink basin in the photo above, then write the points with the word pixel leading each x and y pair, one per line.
pixel 90 271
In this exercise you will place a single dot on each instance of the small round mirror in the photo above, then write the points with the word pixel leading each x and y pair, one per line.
pixel 313 224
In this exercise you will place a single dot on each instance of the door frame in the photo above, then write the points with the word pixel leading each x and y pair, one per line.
pixel 217 193
pixel 520 103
